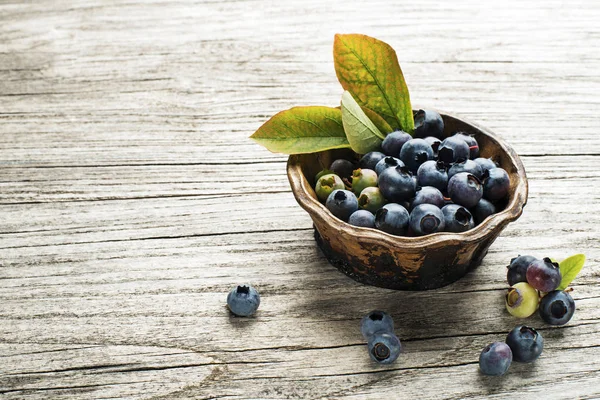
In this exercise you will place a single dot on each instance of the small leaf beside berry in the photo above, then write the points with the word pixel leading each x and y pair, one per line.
pixel 569 268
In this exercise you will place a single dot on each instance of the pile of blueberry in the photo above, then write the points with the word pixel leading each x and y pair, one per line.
pixel 523 344
pixel 377 327
pixel 531 278
pixel 442 181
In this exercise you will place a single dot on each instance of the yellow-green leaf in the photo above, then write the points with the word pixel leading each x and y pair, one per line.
pixel 378 120
pixel 569 268
pixel 369 69
pixel 362 134
pixel 303 130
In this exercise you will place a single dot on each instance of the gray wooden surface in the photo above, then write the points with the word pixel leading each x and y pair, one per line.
pixel 132 200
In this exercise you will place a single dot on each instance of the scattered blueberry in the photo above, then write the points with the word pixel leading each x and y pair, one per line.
pixel 495 359
pixel 544 275
pixel 362 218
pixel 517 270
pixel 415 152
pixel 376 321
pixel 362 178
pixel 392 218
pixel 433 173
pixel 243 301
pixel 342 168
pixel 428 123
pixel 465 189
pixel 521 300
pixel 457 218
pixel 342 203
pixel 526 343
pixel 370 160
pixel 384 347
pixel 428 195
pixel 426 219
pixel 393 142
pixel 387 162
pixel 496 184
pixel 557 307
pixel 397 184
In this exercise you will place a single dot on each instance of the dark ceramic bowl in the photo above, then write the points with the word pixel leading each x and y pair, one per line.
pixel 377 258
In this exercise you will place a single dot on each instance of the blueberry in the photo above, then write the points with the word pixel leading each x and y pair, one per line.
pixel 370 160
pixel 471 142
pixel 342 203
pixel 465 189
pixel 544 275
pixel 433 173
pixel 495 359
pixel 517 270
pixel 362 218
pixel 428 123
pixel 496 184
pixel 426 219
pixel 557 307
pixel 453 149
pixel 392 218
pixel 483 209
pixel 526 343
pixel 321 173
pixel 362 178
pixel 393 142
pixel 428 195
pixel 397 184
pixel 415 152
pixel 469 166
pixel 485 163
pixel 457 218
pixel 384 347
pixel 434 143
pixel 342 168
pixel 376 321
pixel 327 184
pixel 243 300
pixel 521 300
pixel 371 199
pixel 387 162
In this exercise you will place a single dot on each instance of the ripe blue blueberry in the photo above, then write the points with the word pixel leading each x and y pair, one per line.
pixel 387 162
pixel 370 160
pixel 384 347
pixel 453 149
pixel 393 142
pixel 428 123
pixel 557 307
pixel 471 142
pixel 483 209
pixel 376 321
pixel 428 195
pixel 362 218
pixel 425 219
pixel 465 189
pixel 544 275
pixel 243 300
pixel 415 152
pixel 469 166
pixel 342 203
pixel 392 218
pixel 526 343
pixel 457 218
pixel 397 184
pixel 495 359
pixel 363 178
pixel 342 168
pixel 433 173
pixel 496 184
pixel 517 270
pixel 371 199
pixel 485 163
pixel 434 143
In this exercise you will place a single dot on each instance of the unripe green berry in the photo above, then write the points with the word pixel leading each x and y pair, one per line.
pixel 522 300
pixel 363 178
pixel 327 184
pixel 371 199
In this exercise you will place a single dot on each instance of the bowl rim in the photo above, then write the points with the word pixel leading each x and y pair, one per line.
pixel 301 189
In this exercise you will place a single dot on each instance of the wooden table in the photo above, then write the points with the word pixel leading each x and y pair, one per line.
pixel 132 199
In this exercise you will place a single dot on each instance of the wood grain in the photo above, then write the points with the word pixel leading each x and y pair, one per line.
pixel 132 200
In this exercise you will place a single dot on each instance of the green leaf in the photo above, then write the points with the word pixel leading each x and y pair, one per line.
pixel 303 130
pixel 569 268
pixel 362 134
pixel 378 120
pixel 369 69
